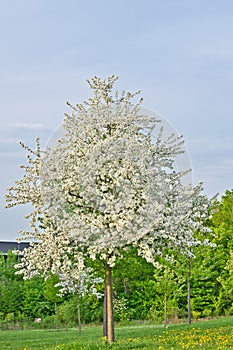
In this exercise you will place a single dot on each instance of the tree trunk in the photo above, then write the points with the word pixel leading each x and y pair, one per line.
pixel 79 316
pixel 105 312
pixel 56 315
pixel 165 310
pixel 109 303
pixel 189 293
pixel 165 296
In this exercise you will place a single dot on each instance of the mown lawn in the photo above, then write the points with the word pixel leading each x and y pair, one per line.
pixel 214 334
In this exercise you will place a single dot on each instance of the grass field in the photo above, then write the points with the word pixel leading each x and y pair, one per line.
pixel 213 334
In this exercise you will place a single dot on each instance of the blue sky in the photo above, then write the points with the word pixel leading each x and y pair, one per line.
pixel 179 53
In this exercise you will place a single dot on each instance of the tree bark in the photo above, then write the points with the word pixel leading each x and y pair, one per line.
pixel 105 334
pixel 109 303
pixel 189 293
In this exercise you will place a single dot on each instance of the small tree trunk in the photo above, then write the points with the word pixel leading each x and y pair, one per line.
pixel 189 293
pixel 109 303
pixel 105 334
pixel 165 310
pixel 79 316
pixel 165 296
pixel 56 315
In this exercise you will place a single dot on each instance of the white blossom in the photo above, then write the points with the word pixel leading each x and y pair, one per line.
pixel 104 186
pixel 76 278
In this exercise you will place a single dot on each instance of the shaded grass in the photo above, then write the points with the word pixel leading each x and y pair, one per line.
pixel 213 334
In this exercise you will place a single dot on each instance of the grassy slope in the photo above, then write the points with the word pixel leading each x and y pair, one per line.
pixel 214 334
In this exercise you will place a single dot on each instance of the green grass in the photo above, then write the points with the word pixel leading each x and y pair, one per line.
pixel 213 334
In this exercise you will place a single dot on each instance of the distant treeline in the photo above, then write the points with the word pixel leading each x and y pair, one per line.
pixel 141 291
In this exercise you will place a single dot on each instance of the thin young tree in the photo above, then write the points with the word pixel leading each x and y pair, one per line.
pixel 52 293
pixel 107 185
pixel 79 280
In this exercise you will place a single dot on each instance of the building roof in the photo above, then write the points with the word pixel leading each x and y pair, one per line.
pixel 6 246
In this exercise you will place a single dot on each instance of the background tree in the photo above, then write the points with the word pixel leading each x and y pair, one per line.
pixel 167 284
pixel 79 280
pixel 51 293
pixel 35 304
pixel 11 287
pixel 105 186
pixel 222 225
pixel 132 282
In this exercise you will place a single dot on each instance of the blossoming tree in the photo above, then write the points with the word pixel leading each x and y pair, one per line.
pixel 107 185
pixel 79 280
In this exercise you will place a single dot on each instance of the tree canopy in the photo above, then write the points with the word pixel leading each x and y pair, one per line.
pixel 106 185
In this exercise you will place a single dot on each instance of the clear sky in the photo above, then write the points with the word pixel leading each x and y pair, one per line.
pixel 179 53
